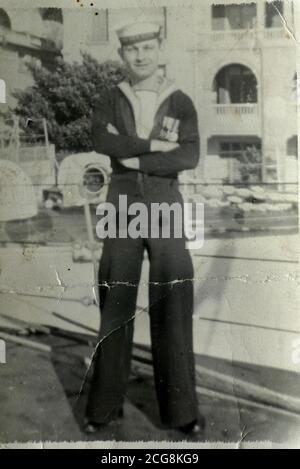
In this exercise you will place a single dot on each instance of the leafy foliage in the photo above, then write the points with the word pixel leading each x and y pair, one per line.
pixel 251 169
pixel 65 98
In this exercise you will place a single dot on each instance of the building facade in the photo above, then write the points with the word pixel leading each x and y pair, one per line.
pixel 237 62
pixel 247 95
pixel 27 35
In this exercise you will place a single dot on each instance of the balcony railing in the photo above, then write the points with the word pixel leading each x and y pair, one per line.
pixel 275 33
pixel 218 36
pixel 234 109
pixel 236 34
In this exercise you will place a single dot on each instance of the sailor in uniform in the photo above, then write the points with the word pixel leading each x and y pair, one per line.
pixel 149 129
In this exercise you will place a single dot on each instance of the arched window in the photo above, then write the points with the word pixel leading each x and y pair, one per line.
pixel 235 84
pixel 4 19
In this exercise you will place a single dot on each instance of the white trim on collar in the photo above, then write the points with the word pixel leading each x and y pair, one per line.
pixel 129 93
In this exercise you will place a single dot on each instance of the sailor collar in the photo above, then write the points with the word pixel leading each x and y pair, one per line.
pixel 164 89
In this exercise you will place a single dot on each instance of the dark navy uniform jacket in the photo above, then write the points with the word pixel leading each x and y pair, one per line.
pixel 117 107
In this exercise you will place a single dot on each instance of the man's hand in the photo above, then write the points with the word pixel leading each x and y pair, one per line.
pixel 131 163
pixel 162 146
pixel 155 146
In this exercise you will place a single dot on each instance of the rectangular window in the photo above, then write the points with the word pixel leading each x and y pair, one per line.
pixel 218 17
pixel 236 149
pixel 98 33
pixel 244 160
pixel 292 146
pixel 273 13
pixel 231 17
pixel 224 147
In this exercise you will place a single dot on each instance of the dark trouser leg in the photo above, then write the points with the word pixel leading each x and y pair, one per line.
pixel 171 310
pixel 119 276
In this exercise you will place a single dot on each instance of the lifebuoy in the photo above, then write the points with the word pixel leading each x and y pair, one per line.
pixel 84 176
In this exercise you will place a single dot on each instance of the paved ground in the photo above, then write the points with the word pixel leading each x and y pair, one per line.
pixel 246 296
pixel 246 323
pixel 39 395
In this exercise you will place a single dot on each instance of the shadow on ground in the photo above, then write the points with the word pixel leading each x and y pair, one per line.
pixel 40 402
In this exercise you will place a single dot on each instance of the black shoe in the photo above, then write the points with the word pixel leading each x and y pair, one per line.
pixel 194 428
pixel 93 427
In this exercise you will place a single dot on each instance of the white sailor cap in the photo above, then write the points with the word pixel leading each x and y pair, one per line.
pixel 138 32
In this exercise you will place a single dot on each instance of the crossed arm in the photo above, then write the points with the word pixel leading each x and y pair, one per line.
pixel 155 157
pixel 155 147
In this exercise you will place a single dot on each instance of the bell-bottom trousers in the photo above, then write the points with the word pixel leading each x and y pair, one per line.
pixel 170 312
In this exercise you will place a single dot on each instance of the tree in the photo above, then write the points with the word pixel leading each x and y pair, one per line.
pixel 65 98
pixel 251 167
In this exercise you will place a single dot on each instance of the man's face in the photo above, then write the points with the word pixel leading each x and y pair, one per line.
pixel 142 58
